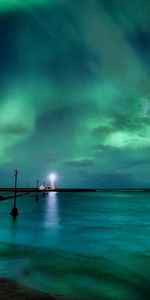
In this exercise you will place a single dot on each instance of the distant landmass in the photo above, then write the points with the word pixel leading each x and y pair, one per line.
pixel 34 189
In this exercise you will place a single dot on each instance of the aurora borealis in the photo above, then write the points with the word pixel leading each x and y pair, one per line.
pixel 75 92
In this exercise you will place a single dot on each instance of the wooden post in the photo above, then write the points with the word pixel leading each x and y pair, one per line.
pixel 14 211
pixel 37 193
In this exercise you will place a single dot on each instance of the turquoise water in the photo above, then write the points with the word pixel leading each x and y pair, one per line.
pixel 82 245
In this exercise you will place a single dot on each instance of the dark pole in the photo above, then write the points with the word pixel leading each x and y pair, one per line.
pixel 14 211
pixel 44 189
pixel 37 193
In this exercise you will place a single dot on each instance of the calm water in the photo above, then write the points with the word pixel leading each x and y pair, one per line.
pixel 82 245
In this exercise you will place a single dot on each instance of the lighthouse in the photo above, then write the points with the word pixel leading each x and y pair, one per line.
pixel 52 181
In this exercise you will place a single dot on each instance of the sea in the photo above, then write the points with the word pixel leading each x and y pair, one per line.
pixel 83 245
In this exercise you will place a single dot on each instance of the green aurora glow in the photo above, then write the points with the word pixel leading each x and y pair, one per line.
pixel 75 93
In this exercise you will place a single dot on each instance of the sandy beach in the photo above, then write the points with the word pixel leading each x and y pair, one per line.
pixel 11 290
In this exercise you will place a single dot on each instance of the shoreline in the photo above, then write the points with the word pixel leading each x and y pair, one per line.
pixel 34 190
pixel 10 289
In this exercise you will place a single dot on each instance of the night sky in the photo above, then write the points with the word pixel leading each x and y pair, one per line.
pixel 75 92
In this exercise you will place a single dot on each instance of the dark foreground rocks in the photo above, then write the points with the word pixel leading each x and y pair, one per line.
pixel 10 290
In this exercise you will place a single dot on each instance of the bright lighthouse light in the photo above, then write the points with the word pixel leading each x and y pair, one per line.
pixel 52 177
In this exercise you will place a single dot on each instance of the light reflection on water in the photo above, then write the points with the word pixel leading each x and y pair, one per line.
pixel 85 245
pixel 51 211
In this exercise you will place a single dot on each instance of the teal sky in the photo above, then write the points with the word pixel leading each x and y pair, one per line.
pixel 75 92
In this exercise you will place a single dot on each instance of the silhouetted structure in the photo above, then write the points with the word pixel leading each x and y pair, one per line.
pixel 14 211
pixel 37 193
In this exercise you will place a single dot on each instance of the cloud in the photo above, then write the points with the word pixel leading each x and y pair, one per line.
pixel 102 131
pixel 104 148
pixel 14 129
pixel 79 163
